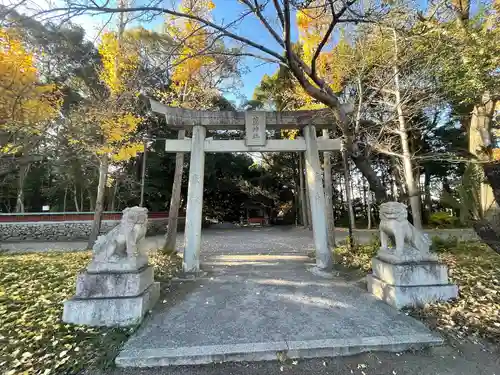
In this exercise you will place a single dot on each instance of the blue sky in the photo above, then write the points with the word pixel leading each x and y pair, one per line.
pixel 252 29
pixel 253 69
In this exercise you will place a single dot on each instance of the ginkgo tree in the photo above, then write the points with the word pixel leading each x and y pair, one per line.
pixel 27 107
pixel 107 125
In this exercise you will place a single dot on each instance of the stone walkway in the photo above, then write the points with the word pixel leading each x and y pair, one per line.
pixel 258 301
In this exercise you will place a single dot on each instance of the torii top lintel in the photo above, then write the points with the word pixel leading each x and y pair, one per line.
pixel 187 118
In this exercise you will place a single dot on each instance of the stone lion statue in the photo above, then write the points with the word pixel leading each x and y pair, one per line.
pixel 394 223
pixel 121 242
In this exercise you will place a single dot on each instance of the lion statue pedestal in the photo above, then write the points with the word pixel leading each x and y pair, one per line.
pixel 117 288
pixel 407 274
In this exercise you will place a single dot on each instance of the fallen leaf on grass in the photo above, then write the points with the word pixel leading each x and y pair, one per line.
pixel 34 340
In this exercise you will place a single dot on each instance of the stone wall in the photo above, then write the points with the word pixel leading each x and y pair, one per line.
pixel 67 230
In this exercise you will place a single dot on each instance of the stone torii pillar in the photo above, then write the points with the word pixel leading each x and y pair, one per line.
pixel 194 210
pixel 314 179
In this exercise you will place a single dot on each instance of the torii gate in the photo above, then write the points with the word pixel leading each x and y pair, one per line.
pixel 255 124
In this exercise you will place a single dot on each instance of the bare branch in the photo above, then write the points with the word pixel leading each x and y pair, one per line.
pixel 279 11
pixel 80 9
pixel 256 9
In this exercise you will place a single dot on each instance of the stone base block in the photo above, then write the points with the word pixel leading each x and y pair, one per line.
pixel 410 274
pixel 118 264
pixel 120 311
pixel 113 284
pixel 408 255
pixel 416 295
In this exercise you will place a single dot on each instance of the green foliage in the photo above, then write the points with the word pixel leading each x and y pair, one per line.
pixel 34 340
pixel 443 219
pixel 466 197
pixel 360 257
pixel 465 54
pixel 440 244
pixel 278 92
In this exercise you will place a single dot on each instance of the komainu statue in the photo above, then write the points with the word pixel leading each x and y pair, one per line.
pixel 406 274
pixel 409 242
pixel 119 249
pixel 118 287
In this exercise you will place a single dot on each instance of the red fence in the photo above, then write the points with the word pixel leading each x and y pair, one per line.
pixel 69 216
pixel 258 220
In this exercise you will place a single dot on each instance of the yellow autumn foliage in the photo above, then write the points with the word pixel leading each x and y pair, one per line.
pixel 116 129
pixel 111 122
pixel 187 88
pixel 25 103
pixel 120 62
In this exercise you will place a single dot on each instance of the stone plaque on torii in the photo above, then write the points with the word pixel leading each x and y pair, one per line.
pixel 255 124
pixel 255 128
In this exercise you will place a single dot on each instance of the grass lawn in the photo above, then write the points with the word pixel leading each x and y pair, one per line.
pixel 33 340
pixel 474 267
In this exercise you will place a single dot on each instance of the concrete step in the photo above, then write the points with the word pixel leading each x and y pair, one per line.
pixel 268 351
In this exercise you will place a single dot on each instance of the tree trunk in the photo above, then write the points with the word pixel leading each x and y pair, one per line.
pixel 77 208
pixel 492 172
pixel 113 198
pixel 369 209
pixel 23 172
pixel 82 199
pixel 175 200
pixel 488 234
pixel 397 179
pixel 327 177
pixel 143 172
pixel 480 140
pixel 363 164
pixel 350 208
pixel 303 204
pixel 308 202
pixel 348 199
pixel 413 190
pixel 91 201
pixel 484 228
pixel 99 203
pixel 296 174
pixel 392 182
pixel 341 193
pixel 65 198
pixel 427 194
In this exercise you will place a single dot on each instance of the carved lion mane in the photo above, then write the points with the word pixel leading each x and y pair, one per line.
pixel 393 211
pixel 122 240
pixel 394 223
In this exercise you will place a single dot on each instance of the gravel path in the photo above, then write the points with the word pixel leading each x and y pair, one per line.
pixel 276 239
